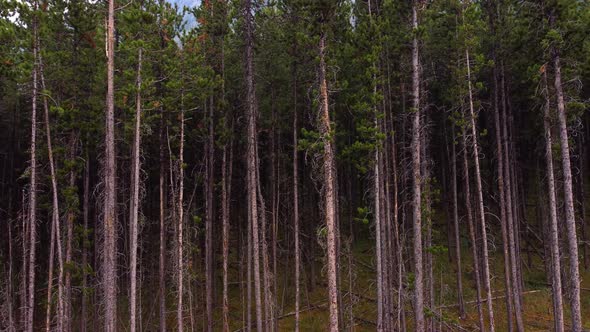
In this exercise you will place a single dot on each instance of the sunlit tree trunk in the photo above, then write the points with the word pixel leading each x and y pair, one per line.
pixel 553 227
pixel 570 222
pixel 330 195
pixel 109 252
pixel 416 178
pixel 479 189
pixel 32 208
pixel 252 158
pixel 134 205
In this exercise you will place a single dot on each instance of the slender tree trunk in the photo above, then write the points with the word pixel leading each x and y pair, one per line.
pixel 329 189
pixel 109 251
pixel 296 201
pixel 209 220
pixel 570 222
pixel 55 222
pixel 180 230
pixel 515 283
pixel 24 293
pixel 553 232
pixel 225 210
pixel 30 305
pixel 252 180
pixel 134 208
pixel 501 184
pixel 469 212
pixel 457 230
pixel 378 240
pixel 85 243
pixel 481 210
pixel 417 194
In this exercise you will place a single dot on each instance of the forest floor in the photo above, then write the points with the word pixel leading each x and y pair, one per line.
pixel 537 316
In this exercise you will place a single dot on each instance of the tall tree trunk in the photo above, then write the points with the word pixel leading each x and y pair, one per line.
pixel 570 222
pixel 501 183
pixel 515 281
pixel 55 222
pixel 180 229
pixel 378 235
pixel 296 200
pixel 330 194
pixel 162 215
pixel 225 215
pixel 209 220
pixel 85 243
pixel 134 206
pixel 457 230
pixel 472 238
pixel 554 235
pixel 481 209
pixel 252 141
pixel 30 305
pixel 417 193
pixel 109 251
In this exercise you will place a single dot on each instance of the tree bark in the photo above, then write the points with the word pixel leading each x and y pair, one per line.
pixel 469 212
pixel 501 183
pixel 481 209
pixel 225 211
pixel 457 230
pixel 329 189
pixel 553 229
pixel 85 243
pixel 296 201
pixel 252 141
pixel 134 206
pixel 109 269
pixel 417 193
pixel 570 222
pixel 30 305
pixel 515 282
pixel 180 229
pixel 55 222
pixel 209 220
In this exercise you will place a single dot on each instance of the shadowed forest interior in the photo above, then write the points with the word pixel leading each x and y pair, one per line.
pixel 294 165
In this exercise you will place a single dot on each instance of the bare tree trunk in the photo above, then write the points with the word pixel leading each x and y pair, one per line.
pixel 252 180
pixel 162 215
pixel 378 240
pixel 134 208
pixel 457 230
pixel 501 183
pixel 481 210
pixel 209 220
pixel 570 222
pixel 554 235
pixel 329 189
pixel 24 293
pixel 180 230
pixel 109 251
pixel 515 283
pixel 55 222
pixel 85 243
pixel 226 179
pixel 296 202
pixel 469 212
pixel 30 305
pixel 417 193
